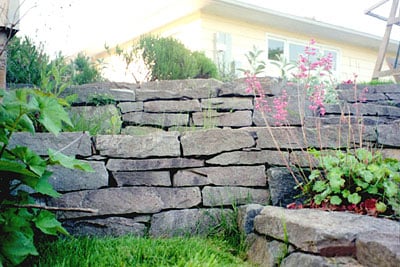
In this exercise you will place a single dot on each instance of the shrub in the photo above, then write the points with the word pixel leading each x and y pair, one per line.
pixel 172 60
pixel 205 66
pixel 84 70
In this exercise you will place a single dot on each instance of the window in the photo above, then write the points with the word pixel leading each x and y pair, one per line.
pixel 292 49
pixel 275 49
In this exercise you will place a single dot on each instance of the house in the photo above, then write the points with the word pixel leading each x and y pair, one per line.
pixel 227 29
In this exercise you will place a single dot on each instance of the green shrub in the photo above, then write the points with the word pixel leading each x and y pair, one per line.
pixel 25 61
pixel 205 66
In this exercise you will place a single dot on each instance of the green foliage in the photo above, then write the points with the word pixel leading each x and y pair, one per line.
pixel 84 70
pixel 257 65
pixel 357 180
pixel 134 251
pixel 21 110
pixel 27 63
pixel 206 67
pixel 172 60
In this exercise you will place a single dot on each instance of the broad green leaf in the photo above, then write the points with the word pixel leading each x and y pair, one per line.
pixel 335 179
pixel 391 188
pixel 318 199
pixel 314 174
pixel 367 176
pixel 319 186
pixel 329 162
pixel 44 187
pixel 380 207
pixel 345 193
pixel 354 198
pixel 52 114
pixel 8 167
pixel 335 200
pixel 67 161
pixel 26 124
pixel 33 161
pixel 364 155
pixel 16 247
pixel 360 183
pixel 48 224
pixel 373 190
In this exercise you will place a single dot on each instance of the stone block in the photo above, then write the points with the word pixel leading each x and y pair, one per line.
pixel 140 130
pixel 152 164
pixel 178 106
pixel 127 200
pixel 249 157
pixel 389 134
pixel 148 178
pixel 126 107
pixel 267 253
pixel 214 141
pixel 187 222
pixel 64 179
pixel 328 234
pixel 294 259
pixel 241 118
pixel 228 103
pixel 234 176
pixel 217 196
pixel 112 226
pixel 246 215
pixel 156 144
pixel 157 119
pixel 71 143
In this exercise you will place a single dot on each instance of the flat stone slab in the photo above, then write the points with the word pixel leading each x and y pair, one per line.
pixel 64 179
pixel 241 118
pixel 249 157
pixel 147 178
pixel 157 144
pixel 214 141
pixel 217 196
pixel 234 176
pixel 172 106
pixel 187 222
pixel 152 164
pixel 158 119
pixel 330 234
pixel 70 143
pixel 227 103
pixel 128 200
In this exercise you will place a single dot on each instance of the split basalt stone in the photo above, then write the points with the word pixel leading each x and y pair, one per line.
pixel 187 222
pixel 325 233
pixel 128 200
pixel 214 141
pixel 155 144
pixel 157 119
pixel 233 175
pixel 152 164
pixel 250 157
pixel 147 178
pixel 217 196
pixel 172 106
pixel 241 118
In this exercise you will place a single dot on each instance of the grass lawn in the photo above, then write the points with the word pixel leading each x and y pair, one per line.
pixel 133 251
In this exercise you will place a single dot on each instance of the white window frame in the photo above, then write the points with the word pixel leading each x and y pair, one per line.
pixel 288 41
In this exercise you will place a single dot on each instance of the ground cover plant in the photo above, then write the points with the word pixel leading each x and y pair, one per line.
pixel 353 177
pixel 134 251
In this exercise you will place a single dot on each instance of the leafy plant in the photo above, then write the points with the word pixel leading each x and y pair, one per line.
pixel 84 70
pixel 359 181
pixel 21 168
pixel 257 65
pixel 205 66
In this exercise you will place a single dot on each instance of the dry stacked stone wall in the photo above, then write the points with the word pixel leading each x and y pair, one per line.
pixel 173 156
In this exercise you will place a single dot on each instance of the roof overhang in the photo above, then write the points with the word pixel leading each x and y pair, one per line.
pixel 266 17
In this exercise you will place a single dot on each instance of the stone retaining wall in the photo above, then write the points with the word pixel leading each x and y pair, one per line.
pixel 184 149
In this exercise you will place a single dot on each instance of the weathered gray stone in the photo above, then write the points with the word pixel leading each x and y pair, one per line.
pixel 249 157
pixel 172 106
pixel 214 141
pixel 389 134
pixel 294 259
pixel 282 186
pixel 187 222
pixel 128 200
pixel 234 175
pixel 240 118
pixel 69 143
pixel 378 249
pixel 157 144
pixel 175 89
pixel 104 119
pixel 391 153
pixel 158 119
pixel 326 233
pixel 64 179
pixel 139 130
pixel 267 253
pixel 149 178
pixel 302 158
pixel 228 103
pixel 126 107
pixel 152 164
pixel 217 196
pixel 246 215
pixel 112 226
pixel 239 86
pixel 112 90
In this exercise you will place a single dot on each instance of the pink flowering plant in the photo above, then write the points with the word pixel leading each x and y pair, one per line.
pixel 355 179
